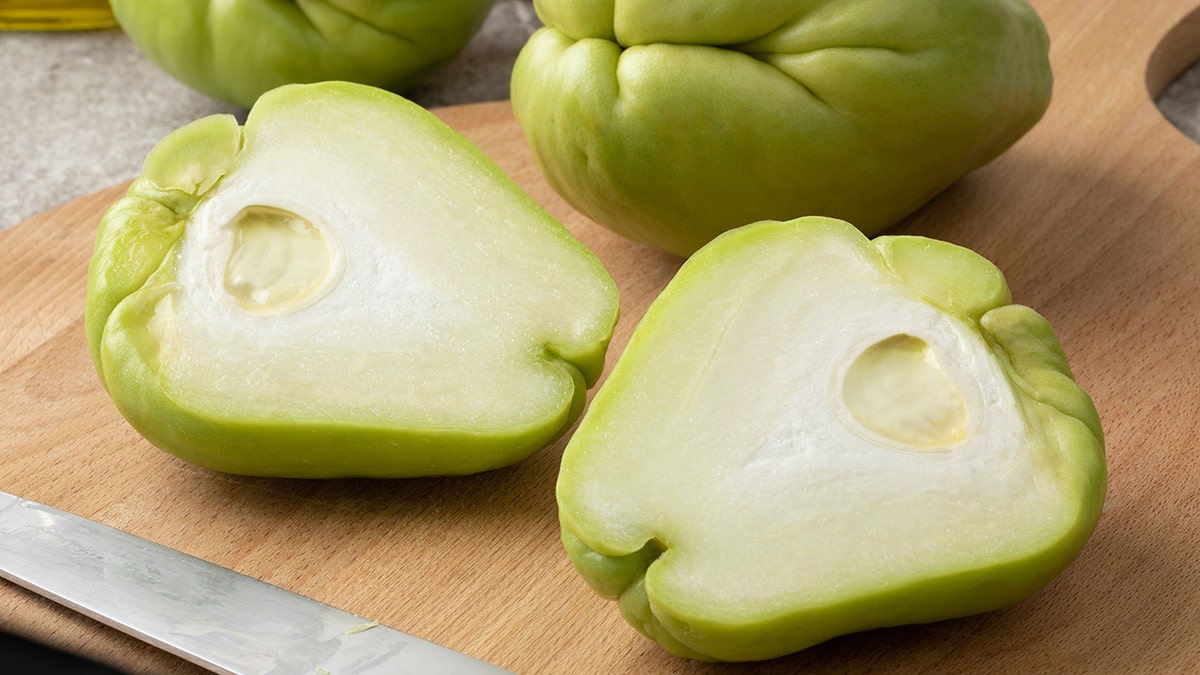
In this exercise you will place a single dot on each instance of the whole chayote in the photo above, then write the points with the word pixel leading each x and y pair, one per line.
pixel 671 122
pixel 234 50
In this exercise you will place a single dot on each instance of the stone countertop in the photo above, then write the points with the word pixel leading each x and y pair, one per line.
pixel 79 111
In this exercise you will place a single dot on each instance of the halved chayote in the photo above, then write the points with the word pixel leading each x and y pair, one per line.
pixel 342 287
pixel 812 434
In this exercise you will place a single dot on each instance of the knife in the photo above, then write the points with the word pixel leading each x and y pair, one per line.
pixel 214 617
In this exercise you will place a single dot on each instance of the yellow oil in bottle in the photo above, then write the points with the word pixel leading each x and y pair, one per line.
pixel 55 14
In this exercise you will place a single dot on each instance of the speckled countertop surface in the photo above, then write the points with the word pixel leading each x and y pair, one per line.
pixel 79 111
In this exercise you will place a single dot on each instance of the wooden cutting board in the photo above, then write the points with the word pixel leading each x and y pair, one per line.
pixel 1094 217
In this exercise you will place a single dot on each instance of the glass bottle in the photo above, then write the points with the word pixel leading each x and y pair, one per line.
pixel 55 14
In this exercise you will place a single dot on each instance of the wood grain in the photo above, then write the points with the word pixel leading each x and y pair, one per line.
pixel 1093 217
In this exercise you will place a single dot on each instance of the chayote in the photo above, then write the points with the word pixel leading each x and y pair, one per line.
pixel 343 286
pixel 671 122
pixel 234 50
pixel 812 434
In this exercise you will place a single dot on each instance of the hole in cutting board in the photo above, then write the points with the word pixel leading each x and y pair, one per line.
pixel 1173 75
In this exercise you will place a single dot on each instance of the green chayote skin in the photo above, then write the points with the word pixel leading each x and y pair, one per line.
pixel 236 50
pixel 670 123
pixel 718 490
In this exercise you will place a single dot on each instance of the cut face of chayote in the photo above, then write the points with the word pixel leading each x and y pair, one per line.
pixel 671 122
pixel 343 286
pixel 812 434
pixel 234 50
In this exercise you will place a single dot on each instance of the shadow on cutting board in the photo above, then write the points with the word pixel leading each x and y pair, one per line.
pixel 32 658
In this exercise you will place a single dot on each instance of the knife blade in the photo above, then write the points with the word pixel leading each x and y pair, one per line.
pixel 212 616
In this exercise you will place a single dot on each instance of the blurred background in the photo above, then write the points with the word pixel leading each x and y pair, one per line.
pixel 80 109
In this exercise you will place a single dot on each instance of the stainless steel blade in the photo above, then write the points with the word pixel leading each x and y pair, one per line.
pixel 212 616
